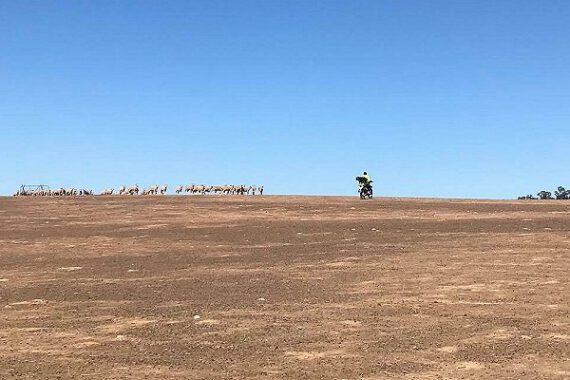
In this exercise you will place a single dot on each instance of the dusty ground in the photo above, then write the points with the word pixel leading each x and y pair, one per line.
pixel 283 287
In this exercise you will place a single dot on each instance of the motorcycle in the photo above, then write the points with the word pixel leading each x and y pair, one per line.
pixel 364 188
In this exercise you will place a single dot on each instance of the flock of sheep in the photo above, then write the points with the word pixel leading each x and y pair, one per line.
pixel 189 189
pixel 60 192
pixel 151 190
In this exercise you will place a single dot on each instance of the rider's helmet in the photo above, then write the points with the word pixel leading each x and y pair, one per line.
pixel 364 173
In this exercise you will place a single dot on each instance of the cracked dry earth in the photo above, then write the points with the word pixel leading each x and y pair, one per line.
pixel 283 287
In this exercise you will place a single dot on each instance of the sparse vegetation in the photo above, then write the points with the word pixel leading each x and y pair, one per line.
pixel 560 193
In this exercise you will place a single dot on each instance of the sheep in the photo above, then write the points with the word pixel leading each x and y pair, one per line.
pixel 198 189
pixel 227 189
pixel 70 191
pixel 132 190
pixel 152 189
pixel 58 192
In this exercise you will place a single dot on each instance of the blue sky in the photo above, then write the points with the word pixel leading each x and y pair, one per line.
pixel 432 98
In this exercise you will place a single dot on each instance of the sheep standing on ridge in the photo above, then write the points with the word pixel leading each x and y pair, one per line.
pixel 132 190
pixel 152 189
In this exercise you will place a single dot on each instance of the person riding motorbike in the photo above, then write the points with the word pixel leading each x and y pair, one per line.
pixel 365 185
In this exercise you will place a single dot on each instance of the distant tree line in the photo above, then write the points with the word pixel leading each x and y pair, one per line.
pixel 560 193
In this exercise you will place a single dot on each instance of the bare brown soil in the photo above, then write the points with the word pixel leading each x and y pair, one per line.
pixel 283 287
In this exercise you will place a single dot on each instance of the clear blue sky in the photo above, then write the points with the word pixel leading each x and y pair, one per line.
pixel 433 98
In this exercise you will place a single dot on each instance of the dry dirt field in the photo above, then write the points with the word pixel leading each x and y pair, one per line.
pixel 283 287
